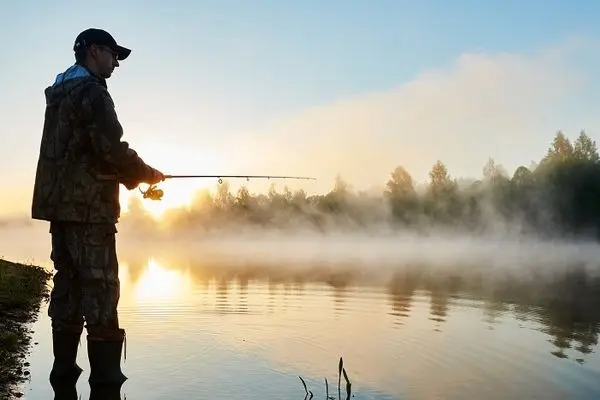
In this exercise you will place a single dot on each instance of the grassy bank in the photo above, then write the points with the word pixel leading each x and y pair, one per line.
pixel 22 289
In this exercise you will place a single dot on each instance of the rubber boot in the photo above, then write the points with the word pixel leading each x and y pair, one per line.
pixel 65 370
pixel 104 353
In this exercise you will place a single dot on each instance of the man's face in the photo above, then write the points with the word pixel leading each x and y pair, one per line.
pixel 105 59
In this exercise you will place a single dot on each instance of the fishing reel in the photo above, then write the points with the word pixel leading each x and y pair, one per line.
pixel 152 193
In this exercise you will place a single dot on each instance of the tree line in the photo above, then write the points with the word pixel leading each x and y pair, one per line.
pixel 557 196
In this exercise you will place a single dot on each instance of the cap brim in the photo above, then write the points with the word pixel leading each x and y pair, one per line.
pixel 122 52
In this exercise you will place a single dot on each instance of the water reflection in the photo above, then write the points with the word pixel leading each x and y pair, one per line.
pixel 561 305
pixel 65 392
pixel 571 315
pixel 195 325
pixel 96 393
pixel 243 296
pixel 339 294
pixel 105 393
pixel 401 290
pixel 222 303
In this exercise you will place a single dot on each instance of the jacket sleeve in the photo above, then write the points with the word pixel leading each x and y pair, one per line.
pixel 105 138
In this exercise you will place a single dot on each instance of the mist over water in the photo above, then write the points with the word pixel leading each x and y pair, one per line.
pixel 414 314
pixel 371 257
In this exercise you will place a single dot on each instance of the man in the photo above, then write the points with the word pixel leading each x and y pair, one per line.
pixel 82 161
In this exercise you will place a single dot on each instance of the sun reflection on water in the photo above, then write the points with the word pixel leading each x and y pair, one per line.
pixel 158 283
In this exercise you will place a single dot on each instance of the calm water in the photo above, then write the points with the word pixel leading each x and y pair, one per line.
pixel 200 330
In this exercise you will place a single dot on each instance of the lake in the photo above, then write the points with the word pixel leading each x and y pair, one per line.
pixel 408 325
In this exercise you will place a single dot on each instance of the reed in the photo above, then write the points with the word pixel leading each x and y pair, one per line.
pixel 341 371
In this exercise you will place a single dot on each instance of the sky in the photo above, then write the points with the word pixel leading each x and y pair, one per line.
pixel 312 88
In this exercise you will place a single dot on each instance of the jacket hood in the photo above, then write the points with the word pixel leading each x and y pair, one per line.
pixel 66 81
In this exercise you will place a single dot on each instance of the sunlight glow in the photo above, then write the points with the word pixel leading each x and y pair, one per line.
pixel 158 283
pixel 175 159
pixel 175 195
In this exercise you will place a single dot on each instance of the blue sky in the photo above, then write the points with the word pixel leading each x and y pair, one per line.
pixel 304 53
pixel 205 76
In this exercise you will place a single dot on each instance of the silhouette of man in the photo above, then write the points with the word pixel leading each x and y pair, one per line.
pixel 82 161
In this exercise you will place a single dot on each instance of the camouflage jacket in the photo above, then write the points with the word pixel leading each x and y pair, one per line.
pixel 82 159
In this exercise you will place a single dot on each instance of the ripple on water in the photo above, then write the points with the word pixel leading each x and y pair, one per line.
pixel 232 338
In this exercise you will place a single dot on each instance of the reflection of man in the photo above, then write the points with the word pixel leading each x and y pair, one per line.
pixel 82 160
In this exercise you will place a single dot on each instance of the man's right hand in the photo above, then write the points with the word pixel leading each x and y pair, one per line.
pixel 155 177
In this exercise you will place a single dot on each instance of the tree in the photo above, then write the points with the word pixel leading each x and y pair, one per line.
pixel 223 199
pixel 522 176
pixel 401 194
pixel 336 201
pixel 299 200
pixel 585 148
pixel 340 186
pixel 440 181
pixel 492 171
pixel 400 184
pixel 498 190
pixel 287 195
pixel 299 196
pixel 441 201
pixel 243 199
pixel 560 150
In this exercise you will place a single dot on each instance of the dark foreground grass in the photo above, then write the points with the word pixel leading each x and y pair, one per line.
pixel 22 289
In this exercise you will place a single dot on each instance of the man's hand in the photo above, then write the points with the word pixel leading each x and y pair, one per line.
pixel 155 177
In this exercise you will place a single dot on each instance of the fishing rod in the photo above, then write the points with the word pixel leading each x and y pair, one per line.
pixel 155 193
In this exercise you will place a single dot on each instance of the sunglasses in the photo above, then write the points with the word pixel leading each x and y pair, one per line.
pixel 111 51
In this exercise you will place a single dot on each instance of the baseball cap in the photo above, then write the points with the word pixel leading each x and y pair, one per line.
pixel 102 38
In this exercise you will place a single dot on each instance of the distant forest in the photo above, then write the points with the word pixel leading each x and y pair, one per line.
pixel 557 197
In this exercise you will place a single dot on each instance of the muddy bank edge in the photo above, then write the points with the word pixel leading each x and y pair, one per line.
pixel 23 288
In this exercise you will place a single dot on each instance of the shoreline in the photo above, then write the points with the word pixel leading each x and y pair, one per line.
pixel 23 287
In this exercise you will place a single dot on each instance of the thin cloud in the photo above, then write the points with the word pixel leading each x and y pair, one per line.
pixel 502 105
